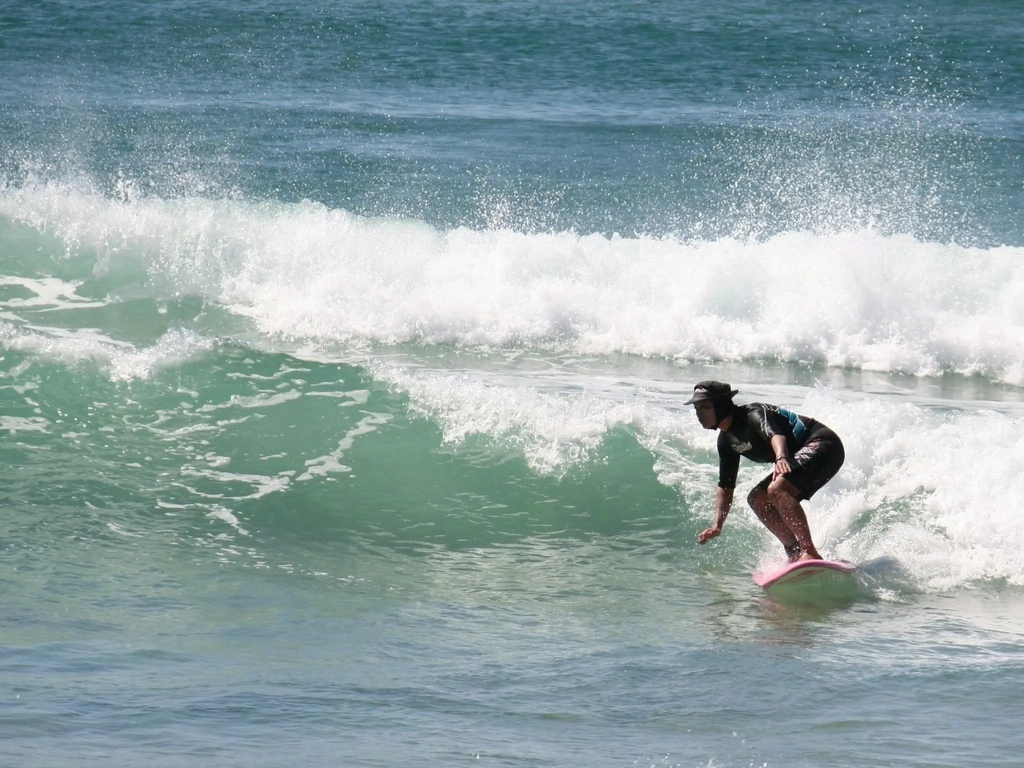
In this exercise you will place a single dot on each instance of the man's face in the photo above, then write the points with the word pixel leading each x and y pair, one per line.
pixel 706 413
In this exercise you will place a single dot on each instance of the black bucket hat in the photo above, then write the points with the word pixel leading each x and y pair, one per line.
pixel 710 390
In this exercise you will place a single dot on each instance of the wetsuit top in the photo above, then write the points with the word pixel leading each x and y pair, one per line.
pixel 750 435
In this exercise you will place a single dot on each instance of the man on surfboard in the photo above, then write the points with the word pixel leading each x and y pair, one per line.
pixel 805 453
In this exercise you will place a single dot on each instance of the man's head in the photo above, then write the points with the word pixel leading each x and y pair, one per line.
pixel 713 402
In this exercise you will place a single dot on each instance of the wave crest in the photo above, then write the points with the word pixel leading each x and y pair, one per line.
pixel 856 299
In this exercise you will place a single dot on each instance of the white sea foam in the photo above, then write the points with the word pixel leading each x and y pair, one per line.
pixel 554 432
pixel 122 361
pixel 306 272
pixel 943 490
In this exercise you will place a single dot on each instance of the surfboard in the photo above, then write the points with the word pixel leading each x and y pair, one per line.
pixel 816 573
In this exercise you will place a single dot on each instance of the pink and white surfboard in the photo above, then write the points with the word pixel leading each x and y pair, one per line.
pixel 804 570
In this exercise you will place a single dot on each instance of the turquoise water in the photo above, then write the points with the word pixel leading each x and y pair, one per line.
pixel 343 351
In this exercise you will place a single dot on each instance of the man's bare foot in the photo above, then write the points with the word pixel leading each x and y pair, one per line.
pixel 808 555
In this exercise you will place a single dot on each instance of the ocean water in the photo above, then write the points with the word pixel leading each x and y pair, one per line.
pixel 343 349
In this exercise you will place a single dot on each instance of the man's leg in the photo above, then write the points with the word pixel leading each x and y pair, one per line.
pixel 782 496
pixel 768 514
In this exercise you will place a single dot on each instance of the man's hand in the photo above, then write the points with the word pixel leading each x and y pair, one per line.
pixel 782 467
pixel 708 534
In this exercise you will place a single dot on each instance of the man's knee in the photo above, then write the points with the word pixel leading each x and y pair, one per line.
pixel 757 498
pixel 781 489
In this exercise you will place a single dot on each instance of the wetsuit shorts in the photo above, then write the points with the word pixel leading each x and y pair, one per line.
pixel 813 465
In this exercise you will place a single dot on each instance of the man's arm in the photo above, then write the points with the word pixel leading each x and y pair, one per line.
pixel 781 451
pixel 723 503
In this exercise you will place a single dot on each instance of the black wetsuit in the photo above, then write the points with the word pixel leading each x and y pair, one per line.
pixel 814 451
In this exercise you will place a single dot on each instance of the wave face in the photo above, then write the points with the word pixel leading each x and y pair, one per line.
pixel 269 458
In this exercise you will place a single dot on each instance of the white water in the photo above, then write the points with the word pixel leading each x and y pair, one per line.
pixel 848 299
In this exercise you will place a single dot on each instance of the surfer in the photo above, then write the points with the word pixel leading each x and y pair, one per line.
pixel 805 453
